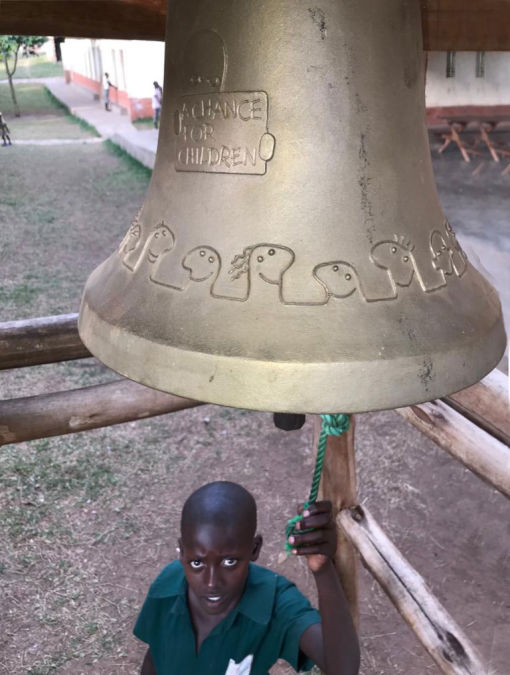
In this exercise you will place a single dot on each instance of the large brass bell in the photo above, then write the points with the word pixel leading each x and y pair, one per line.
pixel 292 254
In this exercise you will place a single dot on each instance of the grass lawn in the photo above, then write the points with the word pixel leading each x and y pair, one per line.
pixel 144 123
pixel 33 66
pixel 42 116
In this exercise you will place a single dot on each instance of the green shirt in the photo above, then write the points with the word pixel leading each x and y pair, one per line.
pixel 268 622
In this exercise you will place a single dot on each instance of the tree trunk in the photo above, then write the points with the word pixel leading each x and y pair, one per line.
pixel 10 74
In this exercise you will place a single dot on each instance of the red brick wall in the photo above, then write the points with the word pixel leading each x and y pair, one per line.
pixel 434 115
pixel 84 81
pixel 141 107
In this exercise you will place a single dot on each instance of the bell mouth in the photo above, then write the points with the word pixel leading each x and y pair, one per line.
pixel 286 386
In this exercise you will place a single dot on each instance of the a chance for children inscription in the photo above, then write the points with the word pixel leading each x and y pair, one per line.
pixel 223 133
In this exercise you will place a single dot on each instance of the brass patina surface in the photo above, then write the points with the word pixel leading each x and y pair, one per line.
pixel 292 253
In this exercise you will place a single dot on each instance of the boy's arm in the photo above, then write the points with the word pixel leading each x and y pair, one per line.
pixel 332 645
pixel 148 665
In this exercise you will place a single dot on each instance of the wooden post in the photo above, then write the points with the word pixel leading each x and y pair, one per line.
pixel 430 622
pixel 67 412
pixel 339 486
pixel 487 404
pixel 479 451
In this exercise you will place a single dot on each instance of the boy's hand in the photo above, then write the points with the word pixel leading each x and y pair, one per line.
pixel 319 546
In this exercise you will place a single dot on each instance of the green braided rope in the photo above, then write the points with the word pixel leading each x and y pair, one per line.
pixel 332 425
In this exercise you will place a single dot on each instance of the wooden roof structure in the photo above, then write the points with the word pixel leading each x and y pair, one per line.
pixel 457 25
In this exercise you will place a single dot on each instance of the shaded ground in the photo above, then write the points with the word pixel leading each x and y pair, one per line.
pixel 42 117
pixel 87 520
pixel 144 123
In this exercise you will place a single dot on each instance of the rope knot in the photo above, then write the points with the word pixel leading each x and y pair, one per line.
pixel 335 425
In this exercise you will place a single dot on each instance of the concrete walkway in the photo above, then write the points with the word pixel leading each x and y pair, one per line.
pixel 111 125
pixel 60 141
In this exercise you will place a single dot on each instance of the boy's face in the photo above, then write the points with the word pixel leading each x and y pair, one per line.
pixel 216 563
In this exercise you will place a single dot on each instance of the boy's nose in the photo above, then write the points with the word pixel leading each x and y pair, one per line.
pixel 212 577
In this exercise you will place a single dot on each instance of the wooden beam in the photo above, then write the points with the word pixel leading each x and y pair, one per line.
pixel 427 618
pixel 67 412
pixel 338 484
pixel 487 404
pixel 121 19
pixel 473 25
pixel 466 25
pixel 44 340
pixel 481 453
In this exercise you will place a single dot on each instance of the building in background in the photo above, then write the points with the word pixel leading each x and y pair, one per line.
pixel 132 65
pixel 456 83
pixel 467 82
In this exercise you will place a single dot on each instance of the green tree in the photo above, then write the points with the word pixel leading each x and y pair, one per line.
pixel 10 46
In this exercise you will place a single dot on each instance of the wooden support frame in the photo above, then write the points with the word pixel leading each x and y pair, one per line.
pixel 338 484
pixel 486 404
pixel 67 412
pixel 427 618
pixel 481 453
pixel 472 425
pixel 455 25
pixel 46 339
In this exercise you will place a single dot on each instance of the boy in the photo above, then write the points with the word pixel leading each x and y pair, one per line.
pixel 214 612
pixel 157 98
pixel 107 85
pixel 4 130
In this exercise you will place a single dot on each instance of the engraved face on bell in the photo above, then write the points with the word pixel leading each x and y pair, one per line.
pixel 397 258
pixel 291 254
pixel 132 238
pixel 269 262
pixel 160 242
pixel 202 263
pixel 441 254
pixel 338 277
pixel 203 62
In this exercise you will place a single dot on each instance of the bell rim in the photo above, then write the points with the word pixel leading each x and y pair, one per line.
pixel 247 383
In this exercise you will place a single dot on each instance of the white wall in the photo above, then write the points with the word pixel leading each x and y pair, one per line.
pixel 132 65
pixel 465 88
pixel 143 62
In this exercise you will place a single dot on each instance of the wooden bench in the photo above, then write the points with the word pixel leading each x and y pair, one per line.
pixel 485 124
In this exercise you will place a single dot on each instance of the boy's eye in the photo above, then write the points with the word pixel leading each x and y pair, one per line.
pixel 230 562
pixel 196 564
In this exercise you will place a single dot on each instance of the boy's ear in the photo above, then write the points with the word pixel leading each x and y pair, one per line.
pixel 179 547
pixel 257 545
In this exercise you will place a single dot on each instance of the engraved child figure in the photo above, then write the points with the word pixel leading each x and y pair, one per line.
pixel 262 263
pixel 215 611
pixel 459 258
pixel 131 243
pixel 398 258
pixel 159 242
pixel 203 263
pixel 341 280
pixel 4 129
pixel 441 258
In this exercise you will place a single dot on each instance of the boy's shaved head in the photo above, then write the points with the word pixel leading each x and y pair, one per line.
pixel 223 504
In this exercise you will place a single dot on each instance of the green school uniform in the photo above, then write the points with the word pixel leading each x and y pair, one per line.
pixel 268 622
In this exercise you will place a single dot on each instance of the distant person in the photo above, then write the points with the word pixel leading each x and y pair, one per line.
pixel 4 130
pixel 157 99
pixel 107 86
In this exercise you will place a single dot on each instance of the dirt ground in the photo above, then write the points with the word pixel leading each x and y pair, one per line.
pixel 87 520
